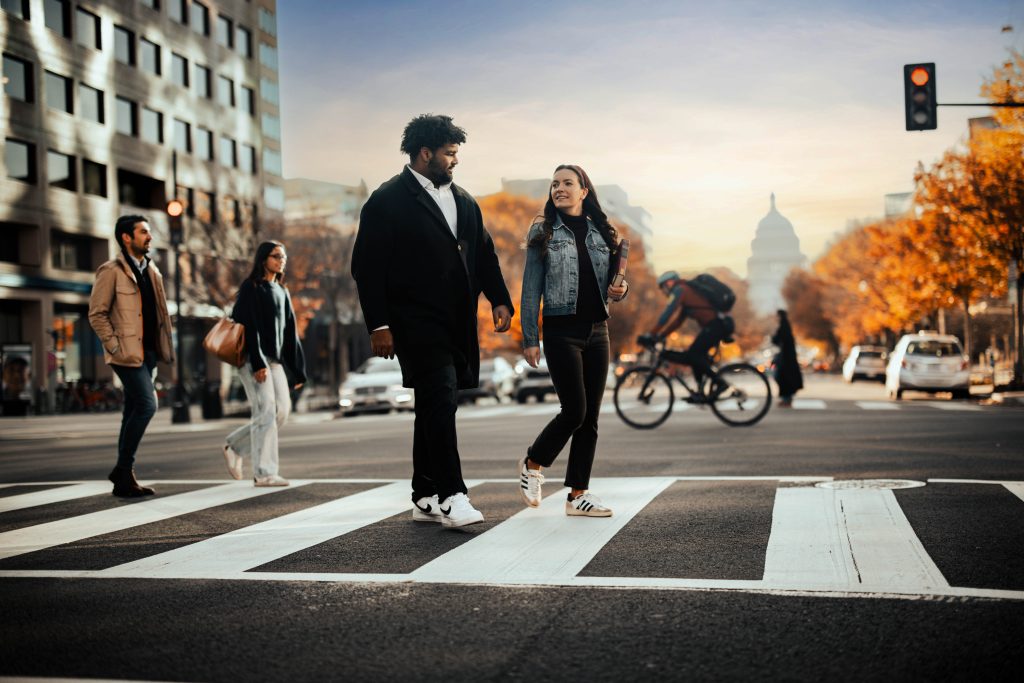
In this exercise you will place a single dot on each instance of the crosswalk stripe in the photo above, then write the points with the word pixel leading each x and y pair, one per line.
pixel 876 405
pixel 49 534
pixel 848 538
pixel 953 405
pixel 1016 488
pixel 544 543
pixel 808 404
pixel 259 544
pixel 54 495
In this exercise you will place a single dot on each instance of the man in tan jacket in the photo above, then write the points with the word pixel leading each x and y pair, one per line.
pixel 128 311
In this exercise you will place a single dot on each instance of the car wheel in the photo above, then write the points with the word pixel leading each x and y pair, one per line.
pixel 521 398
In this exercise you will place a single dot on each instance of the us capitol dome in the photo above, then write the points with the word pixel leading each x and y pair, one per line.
pixel 774 252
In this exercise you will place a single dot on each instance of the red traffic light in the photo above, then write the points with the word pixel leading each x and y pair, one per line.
pixel 920 76
pixel 175 208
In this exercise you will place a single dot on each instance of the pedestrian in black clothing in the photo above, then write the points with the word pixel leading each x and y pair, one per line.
pixel 787 369
pixel 421 260
pixel 568 262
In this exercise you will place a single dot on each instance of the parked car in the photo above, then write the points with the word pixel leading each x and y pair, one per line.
pixel 497 380
pixel 376 386
pixel 535 382
pixel 928 362
pixel 865 362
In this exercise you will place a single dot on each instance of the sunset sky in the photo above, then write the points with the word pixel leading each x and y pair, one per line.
pixel 698 110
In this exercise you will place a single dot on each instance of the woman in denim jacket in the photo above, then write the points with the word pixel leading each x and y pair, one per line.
pixel 568 257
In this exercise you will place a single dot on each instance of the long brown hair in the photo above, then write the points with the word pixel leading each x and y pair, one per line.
pixel 591 209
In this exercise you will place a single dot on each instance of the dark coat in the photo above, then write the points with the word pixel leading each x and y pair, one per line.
pixel 416 277
pixel 787 369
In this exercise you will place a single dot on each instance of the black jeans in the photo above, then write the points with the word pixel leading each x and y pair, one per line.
pixel 579 371
pixel 139 407
pixel 697 355
pixel 436 468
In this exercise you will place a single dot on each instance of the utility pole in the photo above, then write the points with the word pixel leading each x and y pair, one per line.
pixel 175 211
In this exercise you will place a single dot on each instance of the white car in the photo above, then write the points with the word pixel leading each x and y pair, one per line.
pixel 497 380
pixel 375 386
pixel 532 382
pixel 865 362
pixel 928 362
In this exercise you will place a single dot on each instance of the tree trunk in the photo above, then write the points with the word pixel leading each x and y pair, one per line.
pixel 1018 333
pixel 967 327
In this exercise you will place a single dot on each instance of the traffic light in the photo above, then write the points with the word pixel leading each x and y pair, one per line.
pixel 175 211
pixel 919 91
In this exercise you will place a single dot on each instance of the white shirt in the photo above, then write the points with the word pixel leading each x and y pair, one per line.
pixel 445 200
pixel 139 263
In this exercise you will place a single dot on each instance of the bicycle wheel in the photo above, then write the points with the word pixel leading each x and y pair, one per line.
pixel 643 398
pixel 746 397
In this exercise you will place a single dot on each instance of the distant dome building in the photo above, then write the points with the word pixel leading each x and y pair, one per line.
pixel 774 252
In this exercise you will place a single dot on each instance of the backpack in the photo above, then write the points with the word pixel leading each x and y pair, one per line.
pixel 719 295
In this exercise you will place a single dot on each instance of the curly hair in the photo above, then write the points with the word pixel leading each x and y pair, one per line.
pixel 430 131
pixel 591 209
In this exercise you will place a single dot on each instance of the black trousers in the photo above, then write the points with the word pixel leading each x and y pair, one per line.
pixel 697 355
pixel 139 407
pixel 579 371
pixel 436 468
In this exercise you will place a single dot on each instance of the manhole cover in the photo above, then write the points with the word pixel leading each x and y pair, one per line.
pixel 871 484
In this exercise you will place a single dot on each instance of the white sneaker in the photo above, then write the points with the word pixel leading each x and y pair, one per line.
pixel 456 510
pixel 530 482
pixel 426 509
pixel 233 461
pixel 586 505
pixel 271 480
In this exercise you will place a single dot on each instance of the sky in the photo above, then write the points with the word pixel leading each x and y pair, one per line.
pixel 698 110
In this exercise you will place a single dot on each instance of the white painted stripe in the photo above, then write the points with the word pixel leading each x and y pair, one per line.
pixel 258 544
pixel 484 412
pixel 876 405
pixel 953 405
pixel 544 543
pixel 55 495
pixel 972 481
pixel 1016 488
pixel 808 404
pixel 846 538
pixel 543 409
pixel 155 509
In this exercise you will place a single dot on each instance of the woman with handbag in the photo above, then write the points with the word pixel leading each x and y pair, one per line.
pixel 272 346
pixel 568 263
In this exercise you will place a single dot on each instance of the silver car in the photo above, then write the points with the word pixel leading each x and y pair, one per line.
pixel 375 387
pixel 533 382
pixel 865 362
pixel 928 362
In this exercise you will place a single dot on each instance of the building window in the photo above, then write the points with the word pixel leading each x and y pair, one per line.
pixel 205 206
pixel 20 160
pixel 200 18
pixel 225 91
pixel 225 33
pixel 243 41
pixel 247 159
pixel 57 16
pixel 150 53
pixel 18 79
pixel 126 117
pixel 140 190
pixel 70 252
pixel 152 126
pixel 90 103
pixel 17 8
pixel 203 141
pixel 268 23
pixel 94 178
pixel 152 4
pixel 227 152
pixel 268 56
pixel 179 70
pixel 270 92
pixel 248 103
pixel 273 197
pixel 272 161
pixel 58 92
pixel 203 85
pixel 124 46
pixel 178 10
pixel 271 127
pixel 87 29
pixel 182 136
pixel 60 170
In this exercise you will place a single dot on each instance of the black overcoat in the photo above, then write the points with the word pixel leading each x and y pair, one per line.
pixel 787 368
pixel 415 276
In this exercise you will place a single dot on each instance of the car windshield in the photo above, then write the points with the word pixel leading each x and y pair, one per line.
pixel 871 354
pixel 935 348
pixel 375 365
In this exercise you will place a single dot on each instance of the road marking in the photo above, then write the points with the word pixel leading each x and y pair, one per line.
pixel 55 495
pixel 808 404
pixel 876 405
pixel 846 538
pixel 156 509
pixel 1016 488
pixel 543 409
pixel 261 543
pixel 484 412
pixel 952 405
pixel 544 543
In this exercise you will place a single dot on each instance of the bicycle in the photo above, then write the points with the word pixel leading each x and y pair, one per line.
pixel 644 396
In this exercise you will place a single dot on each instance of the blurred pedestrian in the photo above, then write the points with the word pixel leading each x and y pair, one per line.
pixel 128 311
pixel 421 260
pixel 787 368
pixel 264 307
pixel 568 261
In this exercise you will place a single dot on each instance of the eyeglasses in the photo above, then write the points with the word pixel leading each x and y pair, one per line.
pixel 278 256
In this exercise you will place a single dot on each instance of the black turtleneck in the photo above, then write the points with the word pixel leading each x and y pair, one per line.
pixel 589 301
pixel 148 295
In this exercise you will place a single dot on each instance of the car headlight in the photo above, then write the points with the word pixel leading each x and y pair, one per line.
pixel 403 398
pixel 345 403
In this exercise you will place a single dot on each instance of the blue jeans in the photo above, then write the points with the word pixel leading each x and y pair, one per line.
pixel 271 404
pixel 139 407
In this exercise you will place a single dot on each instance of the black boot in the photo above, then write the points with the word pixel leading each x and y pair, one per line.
pixel 124 482
pixel 146 491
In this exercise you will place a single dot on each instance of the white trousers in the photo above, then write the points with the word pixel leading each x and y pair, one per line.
pixel 271 403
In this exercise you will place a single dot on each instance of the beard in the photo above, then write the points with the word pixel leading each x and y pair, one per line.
pixel 438 173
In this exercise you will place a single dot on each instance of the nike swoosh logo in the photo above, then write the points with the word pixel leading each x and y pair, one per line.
pixel 446 512
pixel 426 509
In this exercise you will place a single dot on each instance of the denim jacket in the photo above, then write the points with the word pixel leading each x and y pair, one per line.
pixel 555 275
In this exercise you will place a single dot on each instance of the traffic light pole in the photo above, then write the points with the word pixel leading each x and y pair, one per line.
pixel 179 404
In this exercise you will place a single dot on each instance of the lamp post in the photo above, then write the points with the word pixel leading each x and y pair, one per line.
pixel 175 213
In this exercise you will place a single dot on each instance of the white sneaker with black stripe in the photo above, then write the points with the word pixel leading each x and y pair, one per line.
pixel 426 509
pixel 586 505
pixel 530 482
pixel 456 510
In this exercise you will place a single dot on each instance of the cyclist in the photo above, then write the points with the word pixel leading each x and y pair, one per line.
pixel 685 301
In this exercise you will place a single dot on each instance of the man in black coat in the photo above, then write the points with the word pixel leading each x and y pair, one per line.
pixel 421 260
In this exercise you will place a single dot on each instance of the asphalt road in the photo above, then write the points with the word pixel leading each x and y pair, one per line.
pixel 726 559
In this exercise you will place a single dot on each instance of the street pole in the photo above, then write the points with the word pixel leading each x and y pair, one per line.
pixel 179 404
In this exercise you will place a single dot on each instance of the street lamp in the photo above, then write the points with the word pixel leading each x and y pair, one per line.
pixel 175 214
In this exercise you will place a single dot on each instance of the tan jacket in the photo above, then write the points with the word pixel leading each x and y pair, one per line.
pixel 115 312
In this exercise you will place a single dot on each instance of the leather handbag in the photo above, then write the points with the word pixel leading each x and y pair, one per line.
pixel 226 340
